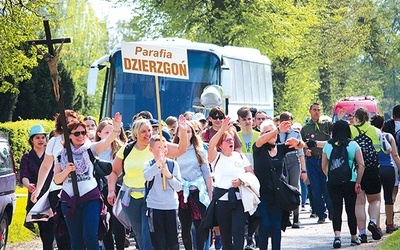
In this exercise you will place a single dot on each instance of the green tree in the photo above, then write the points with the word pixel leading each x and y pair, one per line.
pixel 76 19
pixel 320 50
pixel 22 21
pixel 274 27
pixel 382 52
pixel 18 20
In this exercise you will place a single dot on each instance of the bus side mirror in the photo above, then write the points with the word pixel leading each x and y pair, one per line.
pixel 226 82
pixel 92 80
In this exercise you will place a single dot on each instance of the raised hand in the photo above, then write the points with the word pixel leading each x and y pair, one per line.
pixel 117 120
pixel 285 126
pixel 226 124
pixel 182 123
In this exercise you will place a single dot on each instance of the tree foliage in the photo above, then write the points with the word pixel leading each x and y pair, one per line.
pixel 22 21
pixel 76 19
pixel 17 24
pixel 321 50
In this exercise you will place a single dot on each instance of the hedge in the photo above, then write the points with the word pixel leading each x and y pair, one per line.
pixel 18 133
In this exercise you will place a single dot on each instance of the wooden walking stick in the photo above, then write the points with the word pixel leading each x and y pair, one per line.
pixel 52 59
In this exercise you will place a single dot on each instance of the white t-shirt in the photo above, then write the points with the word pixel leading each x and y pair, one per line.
pixel 86 181
pixel 53 147
pixel 228 169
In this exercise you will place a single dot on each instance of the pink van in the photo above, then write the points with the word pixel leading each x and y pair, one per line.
pixel 352 103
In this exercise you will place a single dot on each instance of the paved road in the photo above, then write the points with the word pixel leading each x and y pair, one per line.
pixel 311 235
pixel 315 236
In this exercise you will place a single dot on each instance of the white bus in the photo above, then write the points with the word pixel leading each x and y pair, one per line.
pixel 242 74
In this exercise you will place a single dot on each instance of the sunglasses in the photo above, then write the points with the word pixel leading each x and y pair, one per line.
pixel 218 117
pixel 78 133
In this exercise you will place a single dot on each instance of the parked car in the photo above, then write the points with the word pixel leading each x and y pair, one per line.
pixel 352 103
pixel 8 183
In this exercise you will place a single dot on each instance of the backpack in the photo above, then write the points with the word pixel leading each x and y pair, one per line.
pixel 368 150
pixel 339 170
pixel 397 139
pixel 127 150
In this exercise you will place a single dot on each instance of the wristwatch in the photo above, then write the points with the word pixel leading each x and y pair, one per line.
pixel 303 171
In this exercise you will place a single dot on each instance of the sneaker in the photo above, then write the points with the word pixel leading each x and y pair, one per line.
pixel 337 243
pixel 321 220
pixel 374 230
pixel 391 229
pixel 296 225
pixel 250 246
pixel 313 215
pixel 363 238
pixel 355 242
pixel 126 242
pixel 217 242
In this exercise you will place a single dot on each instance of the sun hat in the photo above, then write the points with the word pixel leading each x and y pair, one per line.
pixel 37 129
pixel 199 117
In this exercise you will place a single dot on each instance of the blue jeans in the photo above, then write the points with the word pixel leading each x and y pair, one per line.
pixel 84 226
pixel 231 223
pixel 318 186
pixel 137 216
pixel 271 223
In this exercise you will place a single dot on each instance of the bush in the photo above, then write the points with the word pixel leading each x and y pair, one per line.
pixel 18 133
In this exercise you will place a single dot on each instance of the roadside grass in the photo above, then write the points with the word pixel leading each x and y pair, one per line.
pixel 17 232
pixel 391 242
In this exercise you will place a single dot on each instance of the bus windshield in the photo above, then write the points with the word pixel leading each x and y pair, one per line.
pixel 132 93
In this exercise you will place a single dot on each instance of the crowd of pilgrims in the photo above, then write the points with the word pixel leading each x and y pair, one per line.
pixel 206 171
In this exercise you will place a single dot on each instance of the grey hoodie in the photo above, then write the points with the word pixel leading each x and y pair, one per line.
pixel 157 198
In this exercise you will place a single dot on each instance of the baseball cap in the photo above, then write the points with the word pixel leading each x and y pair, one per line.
pixel 199 117
pixel 153 122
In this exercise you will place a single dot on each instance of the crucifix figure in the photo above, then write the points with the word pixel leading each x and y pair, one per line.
pixel 52 63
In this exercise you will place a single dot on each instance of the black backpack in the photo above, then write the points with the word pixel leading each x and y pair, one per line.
pixel 339 170
pixel 128 148
pixel 397 139
pixel 368 150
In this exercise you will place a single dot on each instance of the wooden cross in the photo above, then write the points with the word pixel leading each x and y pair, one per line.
pixel 52 59
pixel 48 41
